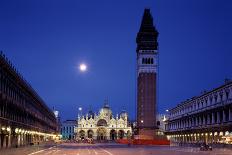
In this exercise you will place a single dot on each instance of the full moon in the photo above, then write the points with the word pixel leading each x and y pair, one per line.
pixel 83 67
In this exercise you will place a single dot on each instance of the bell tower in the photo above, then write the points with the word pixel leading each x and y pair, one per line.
pixel 147 52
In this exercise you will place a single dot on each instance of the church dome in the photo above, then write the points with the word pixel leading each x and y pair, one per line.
pixel 105 110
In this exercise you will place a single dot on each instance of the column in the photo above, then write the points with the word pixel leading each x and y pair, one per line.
pixel 4 140
pixel 230 114
pixel 0 138
pixel 224 116
pixel 213 121
pixel 218 117
pixel 204 120
pixel 196 121
pixel 208 119
pixel 9 139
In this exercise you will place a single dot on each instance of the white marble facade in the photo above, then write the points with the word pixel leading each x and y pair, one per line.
pixel 103 126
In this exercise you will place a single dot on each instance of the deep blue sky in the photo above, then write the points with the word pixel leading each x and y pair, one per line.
pixel 46 39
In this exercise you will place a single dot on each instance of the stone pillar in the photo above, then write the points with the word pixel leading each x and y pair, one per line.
pixel 208 119
pixel 230 114
pixel 224 116
pixel 218 117
pixel 196 121
pixel 0 138
pixel 9 139
pixel 203 120
pixel 4 141
pixel 213 121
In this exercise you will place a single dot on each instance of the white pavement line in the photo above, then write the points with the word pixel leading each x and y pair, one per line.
pixel 36 152
pixel 88 150
pixel 95 152
pixel 52 151
pixel 40 151
pixel 107 151
pixel 56 151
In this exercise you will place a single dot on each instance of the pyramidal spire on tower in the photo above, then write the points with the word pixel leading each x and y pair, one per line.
pixel 147 35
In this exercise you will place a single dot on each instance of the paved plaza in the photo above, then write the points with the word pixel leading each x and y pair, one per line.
pixel 110 149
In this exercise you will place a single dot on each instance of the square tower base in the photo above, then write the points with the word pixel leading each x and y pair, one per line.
pixel 146 134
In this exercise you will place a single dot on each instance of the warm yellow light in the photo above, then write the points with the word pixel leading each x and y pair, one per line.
pixel 8 129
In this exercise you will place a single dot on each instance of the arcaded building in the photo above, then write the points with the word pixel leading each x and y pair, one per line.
pixel 24 116
pixel 204 118
pixel 103 125
pixel 147 64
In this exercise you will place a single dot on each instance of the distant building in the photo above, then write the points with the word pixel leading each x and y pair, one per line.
pixel 103 126
pixel 147 64
pixel 161 119
pixel 67 129
pixel 204 118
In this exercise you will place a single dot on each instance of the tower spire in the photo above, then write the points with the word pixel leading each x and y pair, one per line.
pixel 147 35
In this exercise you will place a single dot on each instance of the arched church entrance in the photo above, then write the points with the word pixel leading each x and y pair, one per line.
pixel 121 134
pixel 113 134
pixel 82 134
pixel 101 133
pixel 90 133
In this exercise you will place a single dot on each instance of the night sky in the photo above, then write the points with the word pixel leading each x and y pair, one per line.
pixel 46 40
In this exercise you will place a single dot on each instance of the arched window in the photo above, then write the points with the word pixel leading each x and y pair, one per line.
pixel 152 61
pixel 102 122
pixel 149 62
pixel 143 61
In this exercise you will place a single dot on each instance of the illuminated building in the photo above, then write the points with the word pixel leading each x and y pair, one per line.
pixel 103 126
pixel 24 117
pixel 204 118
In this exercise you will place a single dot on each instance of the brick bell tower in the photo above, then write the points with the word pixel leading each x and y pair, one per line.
pixel 147 52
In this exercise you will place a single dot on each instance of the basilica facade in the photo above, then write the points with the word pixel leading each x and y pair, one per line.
pixel 103 126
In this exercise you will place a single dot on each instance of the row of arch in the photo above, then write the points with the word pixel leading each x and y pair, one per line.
pixel 147 61
pixel 102 134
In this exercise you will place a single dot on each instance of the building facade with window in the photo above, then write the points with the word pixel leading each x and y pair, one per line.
pixel 205 118
pixel 24 116
pixel 103 126
pixel 67 129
